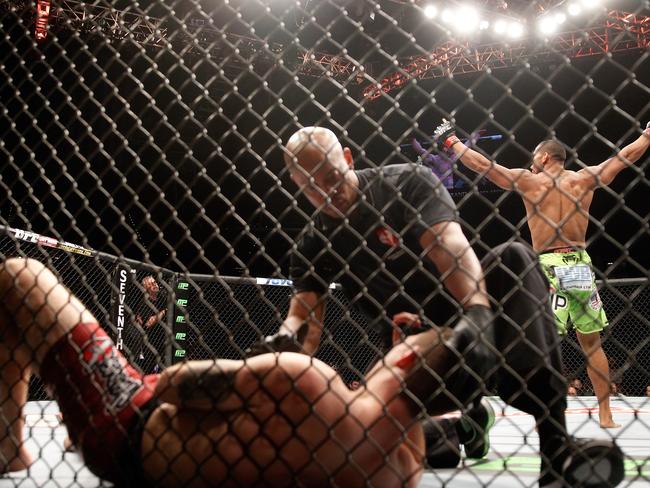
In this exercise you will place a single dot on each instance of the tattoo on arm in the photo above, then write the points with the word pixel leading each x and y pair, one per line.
pixel 213 385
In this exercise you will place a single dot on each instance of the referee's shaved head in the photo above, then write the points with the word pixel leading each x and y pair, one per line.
pixel 312 144
pixel 322 169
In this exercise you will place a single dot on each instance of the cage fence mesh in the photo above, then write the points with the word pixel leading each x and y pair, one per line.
pixel 226 316
pixel 149 134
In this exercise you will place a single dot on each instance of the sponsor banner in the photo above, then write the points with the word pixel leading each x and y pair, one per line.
pixel 121 319
pixel 273 281
pixel 280 282
pixel 181 318
pixel 35 238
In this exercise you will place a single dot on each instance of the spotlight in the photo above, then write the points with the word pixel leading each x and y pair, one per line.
pixel 547 25
pixel 447 16
pixel 483 25
pixel 430 11
pixel 591 3
pixel 467 19
pixel 500 26
pixel 574 8
pixel 515 30
pixel 560 18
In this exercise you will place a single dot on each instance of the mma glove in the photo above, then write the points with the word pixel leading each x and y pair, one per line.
pixel 280 342
pixel 445 135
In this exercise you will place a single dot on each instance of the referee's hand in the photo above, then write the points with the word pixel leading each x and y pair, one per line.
pixel 280 342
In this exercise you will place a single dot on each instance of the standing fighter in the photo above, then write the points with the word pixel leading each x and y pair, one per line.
pixel 557 204
pixel 390 237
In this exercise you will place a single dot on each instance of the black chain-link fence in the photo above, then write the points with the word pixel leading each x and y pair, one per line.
pixel 625 341
pixel 148 140
pixel 223 316
pixel 228 315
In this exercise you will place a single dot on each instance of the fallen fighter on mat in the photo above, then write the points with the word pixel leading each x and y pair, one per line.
pixel 278 419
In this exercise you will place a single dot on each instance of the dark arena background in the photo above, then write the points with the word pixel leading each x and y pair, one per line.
pixel 146 139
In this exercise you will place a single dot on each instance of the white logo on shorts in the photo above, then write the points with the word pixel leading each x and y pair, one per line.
pixel 104 362
pixel 574 278
pixel 558 302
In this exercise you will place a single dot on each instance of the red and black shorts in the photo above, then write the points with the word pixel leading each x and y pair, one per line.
pixel 105 402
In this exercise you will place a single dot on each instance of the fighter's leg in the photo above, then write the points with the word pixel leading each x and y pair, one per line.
pixel 589 318
pixel 598 370
pixel 14 383
pixel 35 310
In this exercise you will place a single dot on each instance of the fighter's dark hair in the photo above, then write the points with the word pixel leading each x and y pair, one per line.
pixel 554 149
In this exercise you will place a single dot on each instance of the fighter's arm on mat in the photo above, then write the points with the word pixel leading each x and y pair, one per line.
pixel 517 179
pixel 604 173
pixel 460 270
pixel 305 307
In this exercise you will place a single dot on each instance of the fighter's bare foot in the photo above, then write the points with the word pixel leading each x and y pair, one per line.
pixel 609 424
pixel 22 460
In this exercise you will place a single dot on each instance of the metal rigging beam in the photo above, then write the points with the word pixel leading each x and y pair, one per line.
pixel 620 32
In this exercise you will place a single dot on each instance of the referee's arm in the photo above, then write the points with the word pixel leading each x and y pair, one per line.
pixel 460 270
pixel 306 306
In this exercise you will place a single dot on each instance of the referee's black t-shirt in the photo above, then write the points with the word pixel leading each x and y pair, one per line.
pixel 375 254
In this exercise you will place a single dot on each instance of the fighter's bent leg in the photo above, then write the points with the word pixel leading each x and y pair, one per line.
pixel 14 383
pixel 35 310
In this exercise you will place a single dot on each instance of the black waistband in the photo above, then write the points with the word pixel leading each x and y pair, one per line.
pixel 562 250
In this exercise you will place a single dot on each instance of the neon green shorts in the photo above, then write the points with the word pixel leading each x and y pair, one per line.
pixel 573 291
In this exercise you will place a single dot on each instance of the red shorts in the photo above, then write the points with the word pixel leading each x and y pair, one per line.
pixel 104 400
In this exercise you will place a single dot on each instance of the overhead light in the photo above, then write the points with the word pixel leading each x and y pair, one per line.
pixel 515 30
pixel 560 18
pixel 467 19
pixel 447 16
pixel 483 24
pixel 574 8
pixel 547 24
pixel 430 11
pixel 591 3
pixel 500 26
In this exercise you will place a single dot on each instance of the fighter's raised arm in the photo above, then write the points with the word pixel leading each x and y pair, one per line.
pixel 516 179
pixel 604 173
